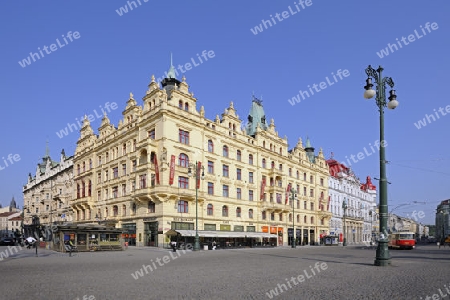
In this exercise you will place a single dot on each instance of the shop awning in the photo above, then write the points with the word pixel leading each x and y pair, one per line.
pixel 222 234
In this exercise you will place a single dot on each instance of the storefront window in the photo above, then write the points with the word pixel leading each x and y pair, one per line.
pixel 81 239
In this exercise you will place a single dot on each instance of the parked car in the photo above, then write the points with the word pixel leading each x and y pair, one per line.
pixel 7 242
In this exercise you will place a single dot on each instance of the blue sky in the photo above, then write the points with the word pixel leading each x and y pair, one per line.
pixel 116 54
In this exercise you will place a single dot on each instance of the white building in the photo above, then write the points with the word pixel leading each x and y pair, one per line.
pixel 47 194
pixel 360 200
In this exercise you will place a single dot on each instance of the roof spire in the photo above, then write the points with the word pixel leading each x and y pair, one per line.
pixel 171 73
pixel 47 151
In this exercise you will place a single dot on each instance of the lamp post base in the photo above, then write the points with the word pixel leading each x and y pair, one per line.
pixel 196 243
pixel 382 258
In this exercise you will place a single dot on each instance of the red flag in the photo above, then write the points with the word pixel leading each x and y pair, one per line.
pixel 328 205
pixel 263 185
pixel 172 169
pixel 155 161
pixel 199 166
pixel 288 190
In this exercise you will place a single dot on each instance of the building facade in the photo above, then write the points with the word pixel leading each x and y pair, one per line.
pixel 443 219
pixel 137 175
pixel 353 201
pixel 47 195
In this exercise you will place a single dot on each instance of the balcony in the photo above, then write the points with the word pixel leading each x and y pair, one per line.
pixel 276 207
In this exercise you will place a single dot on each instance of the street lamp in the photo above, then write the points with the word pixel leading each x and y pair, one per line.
pixel 293 197
pixel 344 206
pixel 371 213
pixel 382 255
pixel 197 168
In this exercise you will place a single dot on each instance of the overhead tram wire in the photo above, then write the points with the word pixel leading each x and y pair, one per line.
pixel 420 169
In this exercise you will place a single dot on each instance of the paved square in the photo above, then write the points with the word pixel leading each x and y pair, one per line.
pixel 301 273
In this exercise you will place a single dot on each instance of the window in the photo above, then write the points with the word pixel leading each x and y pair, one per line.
pixel 115 191
pixel 107 156
pixel 210 210
pixel 143 181
pixel 250 177
pixel 280 216
pixel 180 104
pixel 250 213
pixel 238 174
pixel 183 137
pixel 115 211
pixel 210 188
pixel 210 146
pixel 99 196
pixel 225 172
pixel 311 179
pixel 186 106
pixel 134 144
pixel 272 165
pixel 290 172
pixel 264 215
pixel 89 188
pixel 183 160
pixel 238 212
pixel 124 189
pixel 225 151
pixel 83 189
pixel 183 206
pixel 183 182
pixel 133 209
pixel 298 218
pixel 78 169
pixel 290 217
pixel 210 167
pixel 305 220
pixel 238 193
pixel 321 181
pixel 272 216
pixel 90 164
pixel 106 175
pixel 151 134
pixel 250 195
pixel 124 210
pixel 124 149
pixel 312 220
pixel 264 163
pixel 278 198
pixel 116 172
pixel 225 191
pixel 134 165
pixel 151 207
pixel 99 160
pixel 311 193
pixel 224 211
pixel 304 204
pixel 304 191
pixel 298 175
pixel 312 205
pixel 304 176
pixel 280 167
pixel 238 155
pixel 250 159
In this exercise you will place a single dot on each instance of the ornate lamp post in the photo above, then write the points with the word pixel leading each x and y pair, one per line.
pixel 344 206
pixel 293 198
pixel 382 255
pixel 196 173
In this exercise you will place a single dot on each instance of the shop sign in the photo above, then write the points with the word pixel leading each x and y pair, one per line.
pixel 149 219
pixel 183 219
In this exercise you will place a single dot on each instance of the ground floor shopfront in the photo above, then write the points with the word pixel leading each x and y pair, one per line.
pixel 158 231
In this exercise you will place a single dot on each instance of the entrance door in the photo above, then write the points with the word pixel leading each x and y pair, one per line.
pixel 151 234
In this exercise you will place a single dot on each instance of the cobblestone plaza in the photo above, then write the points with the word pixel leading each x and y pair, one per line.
pixel 303 273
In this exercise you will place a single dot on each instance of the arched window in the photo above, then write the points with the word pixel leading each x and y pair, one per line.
pixel 290 217
pixel 238 155
pixel 298 218
pixel 270 146
pixel 180 104
pixel 83 189
pixel 89 188
pixel 186 106
pixel 225 151
pixel 264 144
pixel 298 175
pixel 133 208
pixel 183 160
pixel 115 210
pixel 151 207
pixel 281 150
pixel 210 146
pixel 250 213
pixel 250 159
pixel 312 220
pixel 281 217
pixel 78 169
pixel 84 166
pixel 272 165
pixel 263 162
pixel 238 212
pixel 90 164
pixel 106 212
pixel 124 210
pixel 305 220
pixel 210 210
pixel 264 215
pixel 224 211
pixel 78 191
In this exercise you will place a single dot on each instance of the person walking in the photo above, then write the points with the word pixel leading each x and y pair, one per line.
pixel 174 246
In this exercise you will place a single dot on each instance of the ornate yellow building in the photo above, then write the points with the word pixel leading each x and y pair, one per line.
pixel 136 175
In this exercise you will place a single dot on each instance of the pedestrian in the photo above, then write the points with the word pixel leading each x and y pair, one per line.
pixel 214 245
pixel 30 241
pixel 174 246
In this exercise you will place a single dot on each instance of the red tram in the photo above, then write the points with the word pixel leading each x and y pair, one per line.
pixel 402 240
